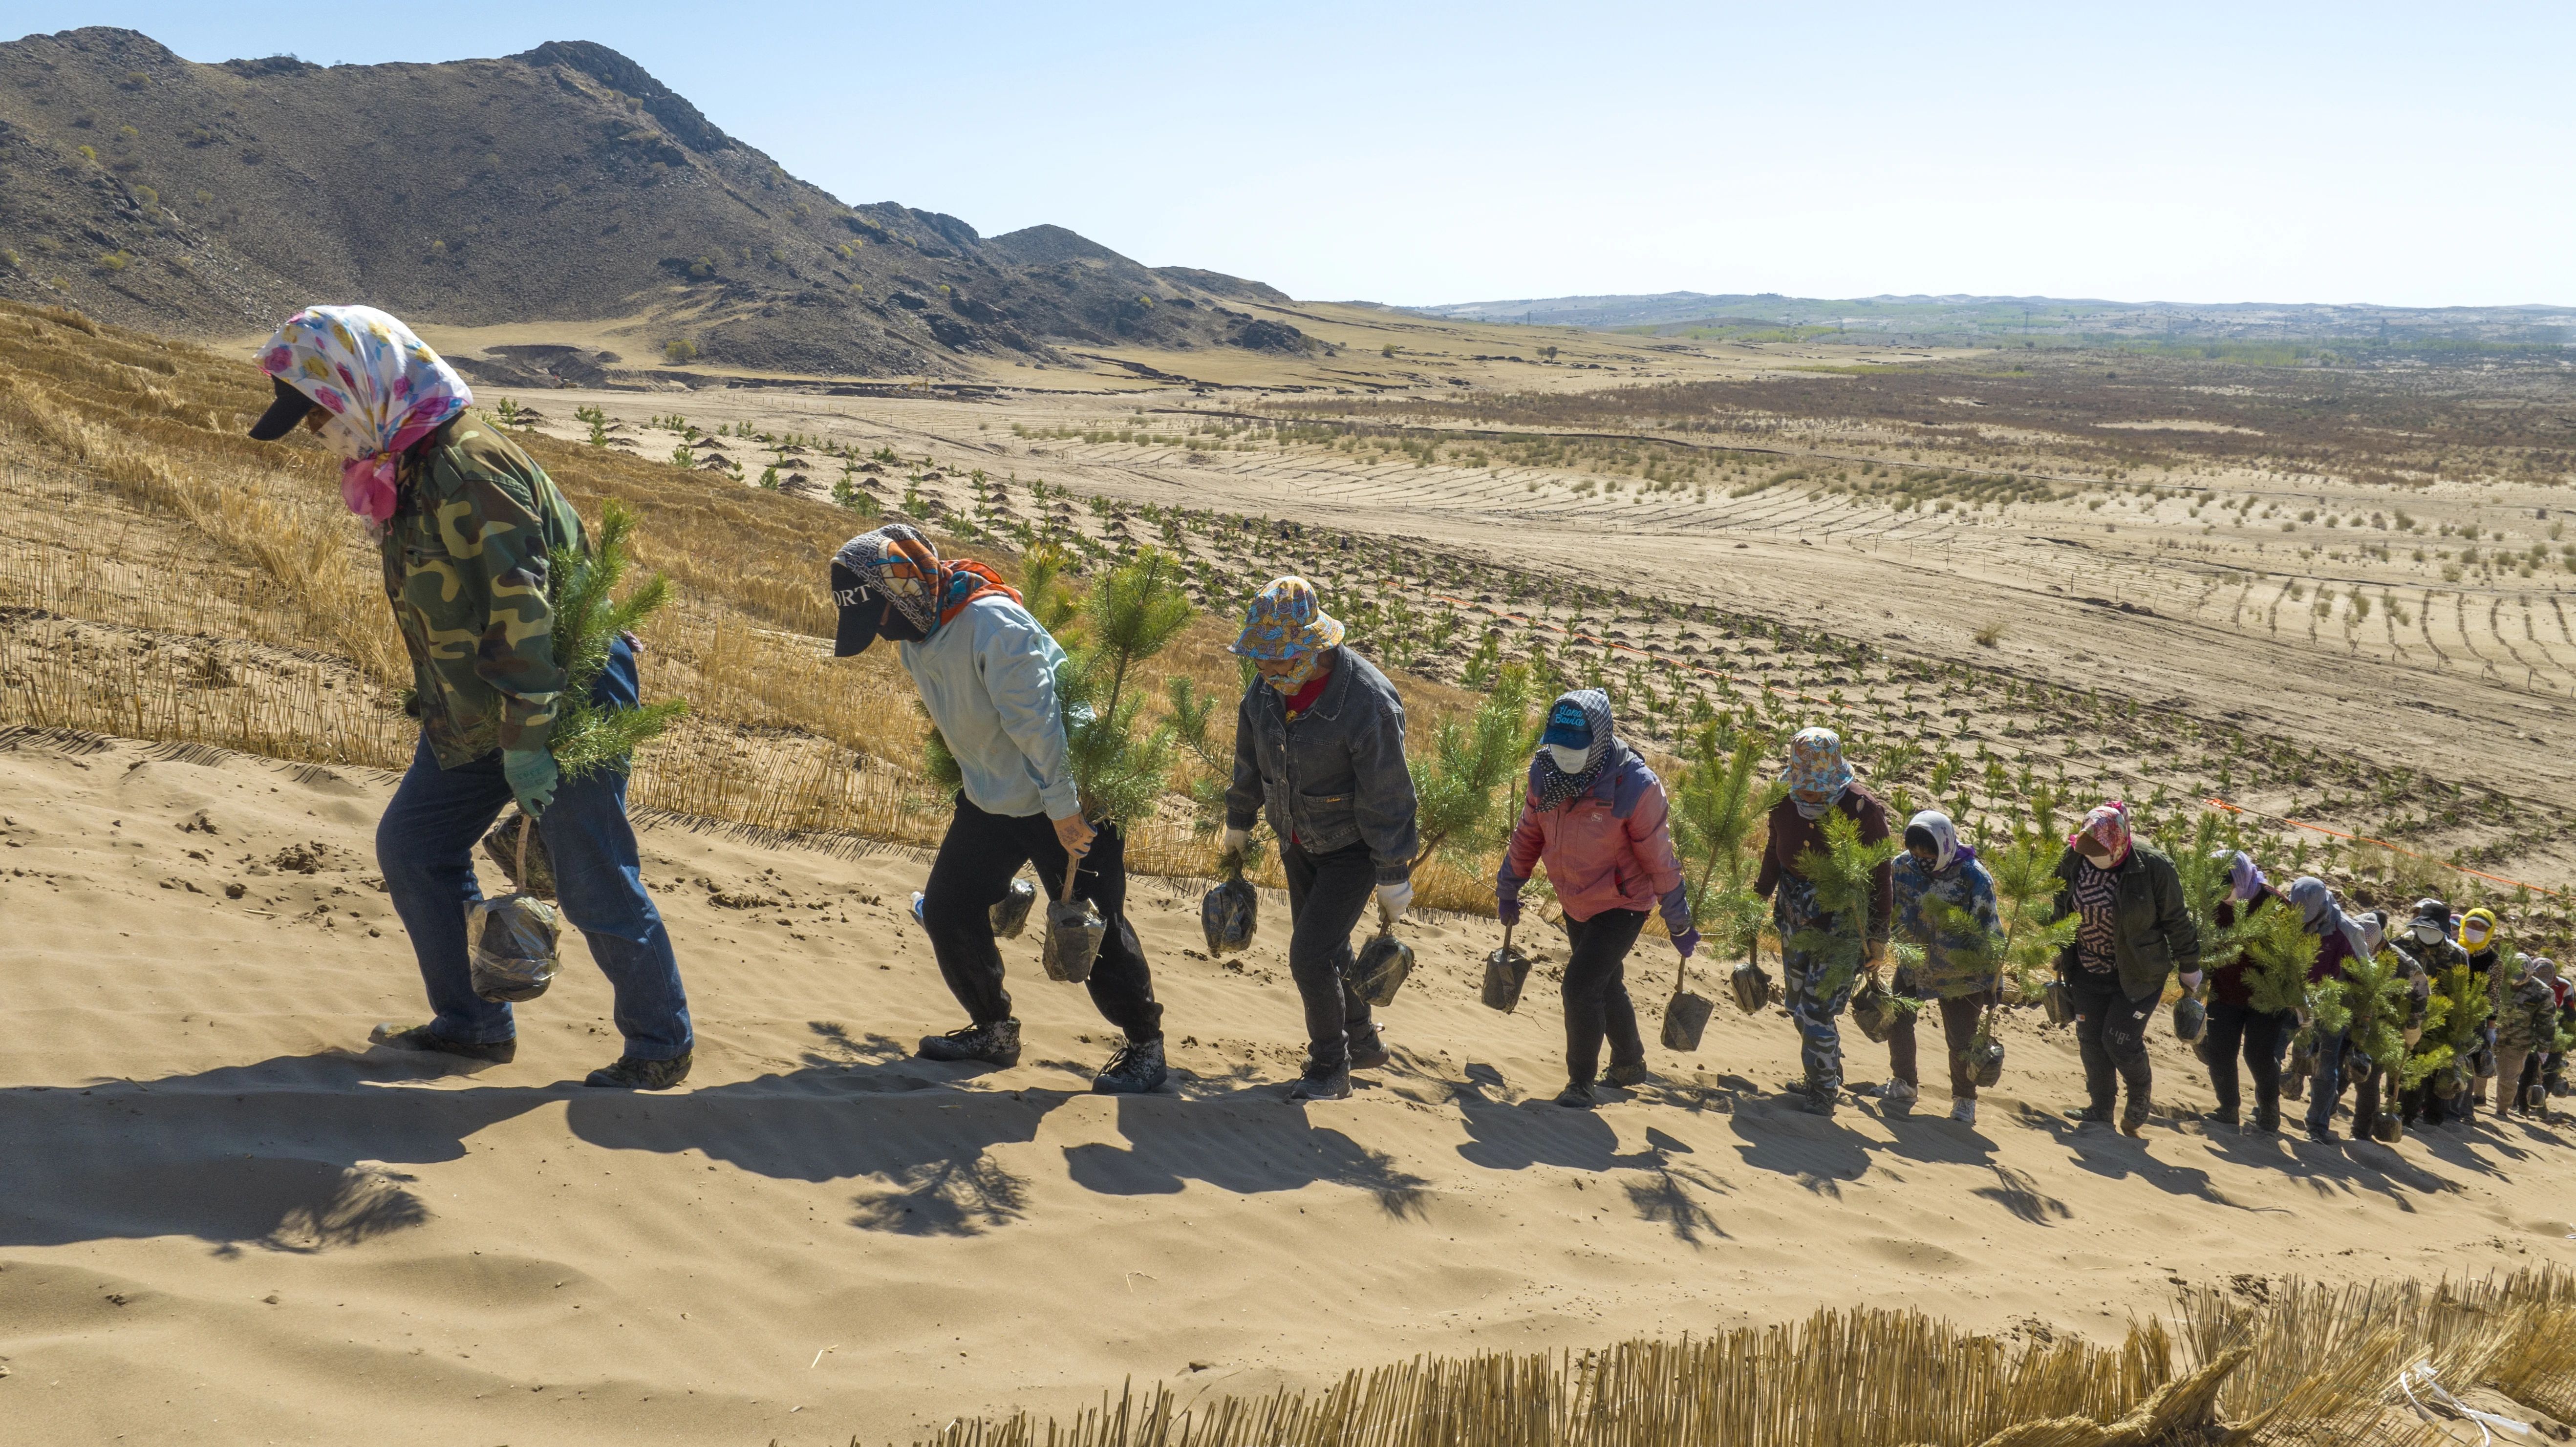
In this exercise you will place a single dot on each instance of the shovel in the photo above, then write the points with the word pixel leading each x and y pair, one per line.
pixel 1686 1014
pixel 1506 970
pixel 1074 930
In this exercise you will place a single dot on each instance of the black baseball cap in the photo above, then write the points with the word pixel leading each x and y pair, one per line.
pixel 282 414
pixel 862 611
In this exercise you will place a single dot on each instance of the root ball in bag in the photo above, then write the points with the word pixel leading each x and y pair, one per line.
pixel 1506 970
pixel 510 944
pixel 1074 931
pixel 1752 987
pixel 1230 915
pixel 1685 1018
pixel 1381 968
pixel 1010 914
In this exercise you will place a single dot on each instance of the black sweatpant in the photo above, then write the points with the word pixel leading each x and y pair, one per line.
pixel 1326 895
pixel 1958 1031
pixel 2259 1034
pixel 2111 1034
pixel 1596 993
pixel 974 869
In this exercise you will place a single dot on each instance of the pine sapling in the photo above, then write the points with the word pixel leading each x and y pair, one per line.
pixel 2282 953
pixel 1843 875
pixel 589 736
pixel 2025 875
pixel 1716 807
pixel 1131 615
pixel 1460 787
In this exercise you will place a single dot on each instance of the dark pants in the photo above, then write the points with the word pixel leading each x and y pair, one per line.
pixel 2340 1062
pixel 977 861
pixel 1596 992
pixel 2260 1035
pixel 2111 1034
pixel 425 846
pixel 1958 1031
pixel 1326 895
pixel 2421 1103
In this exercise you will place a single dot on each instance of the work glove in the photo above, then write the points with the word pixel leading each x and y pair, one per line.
pixel 1234 841
pixel 533 776
pixel 1507 908
pixel 2413 1033
pixel 1394 899
pixel 1687 942
pixel 2191 982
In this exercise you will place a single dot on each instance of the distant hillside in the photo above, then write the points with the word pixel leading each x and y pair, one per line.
pixel 561 184
pixel 1945 320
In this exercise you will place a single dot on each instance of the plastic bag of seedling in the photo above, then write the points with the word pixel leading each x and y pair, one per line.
pixel 1751 985
pixel 1382 966
pixel 510 941
pixel 2190 1019
pixel 1506 970
pixel 1876 1009
pixel 2449 1082
pixel 1010 913
pixel 501 846
pixel 1231 913
pixel 2053 998
pixel 1074 930
pixel 1985 1054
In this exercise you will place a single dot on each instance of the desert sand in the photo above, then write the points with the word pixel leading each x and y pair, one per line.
pixel 226 1220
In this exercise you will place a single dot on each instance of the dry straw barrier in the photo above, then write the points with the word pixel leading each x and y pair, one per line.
pixel 2269 1363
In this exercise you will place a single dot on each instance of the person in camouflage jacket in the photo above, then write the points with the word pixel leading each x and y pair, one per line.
pixel 465 522
pixel 1945 909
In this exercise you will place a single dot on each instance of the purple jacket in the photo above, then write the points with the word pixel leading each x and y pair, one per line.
pixel 1606 848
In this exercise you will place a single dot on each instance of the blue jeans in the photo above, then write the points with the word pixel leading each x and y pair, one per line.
pixel 2326 1091
pixel 425 846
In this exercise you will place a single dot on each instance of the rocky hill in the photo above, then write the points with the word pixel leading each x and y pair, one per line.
pixel 562 184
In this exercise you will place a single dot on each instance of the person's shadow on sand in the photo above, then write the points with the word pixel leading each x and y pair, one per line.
pixel 292 1153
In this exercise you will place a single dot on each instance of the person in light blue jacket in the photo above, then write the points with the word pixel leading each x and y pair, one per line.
pixel 986 670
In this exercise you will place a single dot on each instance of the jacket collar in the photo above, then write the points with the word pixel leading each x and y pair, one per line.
pixel 1336 688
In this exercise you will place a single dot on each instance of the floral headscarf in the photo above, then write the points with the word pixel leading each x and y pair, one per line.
pixel 384 388
pixel 1817 774
pixel 897 561
pixel 1551 785
pixel 1946 846
pixel 1287 622
pixel 2109 824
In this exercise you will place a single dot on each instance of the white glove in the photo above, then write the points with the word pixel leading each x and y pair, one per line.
pixel 1234 841
pixel 1394 899
pixel 2191 982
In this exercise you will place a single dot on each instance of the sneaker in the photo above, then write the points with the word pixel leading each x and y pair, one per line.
pixel 1368 1051
pixel 2267 1120
pixel 1134 1070
pixel 2091 1115
pixel 2133 1121
pixel 421 1037
pixel 1631 1073
pixel 1577 1095
pixel 1819 1101
pixel 996 1044
pixel 630 1073
pixel 1897 1097
pixel 1322 1082
pixel 1964 1111
pixel 2321 1134
pixel 2233 1119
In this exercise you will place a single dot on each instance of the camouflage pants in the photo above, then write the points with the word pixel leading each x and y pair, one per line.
pixel 1814 994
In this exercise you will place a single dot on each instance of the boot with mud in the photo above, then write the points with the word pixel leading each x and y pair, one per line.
pixel 1322 1082
pixel 1578 1095
pixel 1137 1069
pixel 2133 1120
pixel 629 1073
pixel 1626 1074
pixel 996 1044
pixel 1368 1050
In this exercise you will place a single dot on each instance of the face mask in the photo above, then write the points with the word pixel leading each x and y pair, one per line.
pixel 343 440
pixel 2429 932
pixel 1569 761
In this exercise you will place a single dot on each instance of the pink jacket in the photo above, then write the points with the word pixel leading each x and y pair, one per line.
pixel 1606 848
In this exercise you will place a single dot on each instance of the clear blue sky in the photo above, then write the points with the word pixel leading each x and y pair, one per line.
pixel 2404 154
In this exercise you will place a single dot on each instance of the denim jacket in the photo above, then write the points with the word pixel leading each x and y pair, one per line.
pixel 1334 778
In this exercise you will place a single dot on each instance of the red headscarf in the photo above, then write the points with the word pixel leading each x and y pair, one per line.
pixel 2108 824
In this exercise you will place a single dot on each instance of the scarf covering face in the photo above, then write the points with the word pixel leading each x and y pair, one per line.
pixel 384 388
pixel 2477 930
pixel 1554 785
pixel 2317 906
pixel 1287 624
pixel 2109 825
pixel 1817 774
pixel 898 562
pixel 2244 879
pixel 1946 848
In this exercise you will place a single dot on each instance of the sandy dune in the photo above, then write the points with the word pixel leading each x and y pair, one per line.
pixel 226 1221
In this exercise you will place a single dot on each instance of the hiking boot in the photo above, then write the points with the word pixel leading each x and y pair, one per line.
pixel 2267 1120
pixel 1577 1095
pixel 1368 1051
pixel 1964 1111
pixel 1896 1098
pixel 1625 1074
pixel 996 1044
pixel 1137 1069
pixel 421 1037
pixel 1819 1100
pixel 2232 1117
pixel 630 1073
pixel 2133 1121
pixel 1322 1082
pixel 2091 1115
